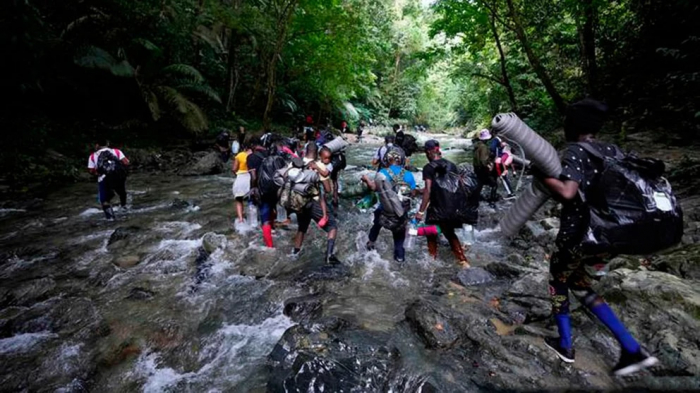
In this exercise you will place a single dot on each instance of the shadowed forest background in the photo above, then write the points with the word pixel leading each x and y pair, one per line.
pixel 150 73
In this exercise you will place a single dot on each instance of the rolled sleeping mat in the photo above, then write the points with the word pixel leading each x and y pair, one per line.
pixel 520 161
pixel 337 144
pixel 542 154
pixel 544 157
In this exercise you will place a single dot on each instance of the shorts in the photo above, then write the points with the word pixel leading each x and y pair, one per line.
pixel 241 187
pixel 313 211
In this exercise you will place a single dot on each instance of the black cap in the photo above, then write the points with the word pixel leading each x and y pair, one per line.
pixel 431 144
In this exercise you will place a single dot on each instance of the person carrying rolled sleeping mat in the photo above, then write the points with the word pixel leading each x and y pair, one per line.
pixel 443 202
pixel 500 151
pixel 571 268
pixel 484 165
pixel 394 186
pixel 300 192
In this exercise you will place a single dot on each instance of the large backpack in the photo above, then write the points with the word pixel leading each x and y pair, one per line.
pixel 480 148
pixel 396 149
pixel 298 188
pixel 452 197
pixel 394 198
pixel 266 174
pixel 108 164
pixel 632 207
pixel 409 144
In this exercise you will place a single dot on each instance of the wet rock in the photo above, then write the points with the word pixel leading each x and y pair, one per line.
pixel 623 262
pixel 433 324
pixel 179 204
pixel 550 223
pixel 306 361
pixel 32 291
pixel 303 309
pixel 209 164
pixel 213 241
pixel 684 262
pixel 507 270
pixel 123 233
pixel 140 294
pixel 127 261
pixel 662 311
pixel 474 276
pixel 531 291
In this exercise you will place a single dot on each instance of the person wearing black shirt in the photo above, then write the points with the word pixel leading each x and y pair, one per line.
pixel 570 269
pixel 432 152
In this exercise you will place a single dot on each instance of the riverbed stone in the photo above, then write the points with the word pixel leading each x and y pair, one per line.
pixel 531 292
pixel 123 233
pixel 213 241
pixel 127 261
pixel 550 223
pixel 310 361
pixel 208 164
pixel 474 276
pixel 303 309
pixel 684 262
pixel 662 311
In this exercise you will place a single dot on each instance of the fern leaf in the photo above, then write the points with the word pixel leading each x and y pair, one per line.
pixel 152 101
pixel 184 70
pixel 98 58
pixel 147 44
pixel 202 90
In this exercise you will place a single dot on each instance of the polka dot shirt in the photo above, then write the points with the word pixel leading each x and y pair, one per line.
pixel 581 167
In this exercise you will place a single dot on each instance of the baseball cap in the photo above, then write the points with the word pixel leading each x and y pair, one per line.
pixel 431 144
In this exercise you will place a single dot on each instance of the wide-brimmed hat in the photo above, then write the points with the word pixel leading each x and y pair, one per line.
pixel 484 134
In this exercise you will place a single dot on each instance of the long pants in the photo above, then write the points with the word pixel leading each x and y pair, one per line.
pixel 449 232
pixel 109 186
pixel 487 178
pixel 398 234
pixel 570 271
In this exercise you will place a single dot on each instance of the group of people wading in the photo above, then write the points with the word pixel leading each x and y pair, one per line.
pixel 284 176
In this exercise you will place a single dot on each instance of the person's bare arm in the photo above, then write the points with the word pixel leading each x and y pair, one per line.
pixel 125 161
pixel 565 190
pixel 371 184
pixel 235 166
pixel 426 199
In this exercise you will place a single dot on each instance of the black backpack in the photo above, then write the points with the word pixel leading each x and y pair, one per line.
pixel 408 144
pixel 452 197
pixel 108 164
pixel 633 210
pixel 339 161
pixel 266 173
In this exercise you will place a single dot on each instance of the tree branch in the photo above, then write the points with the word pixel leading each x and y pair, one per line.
pixel 489 77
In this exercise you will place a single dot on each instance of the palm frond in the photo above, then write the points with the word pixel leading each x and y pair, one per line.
pixel 151 100
pixel 349 110
pixel 147 44
pixel 185 111
pixel 202 90
pixel 184 70
pixel 98 58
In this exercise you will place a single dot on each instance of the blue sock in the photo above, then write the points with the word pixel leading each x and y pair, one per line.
pixel 609 319
pixel 564 327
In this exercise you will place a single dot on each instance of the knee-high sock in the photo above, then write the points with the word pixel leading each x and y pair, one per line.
pixel 267 235
pixel 605 314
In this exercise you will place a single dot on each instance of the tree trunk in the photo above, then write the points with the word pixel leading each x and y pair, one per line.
pixel 587 37
pixel 534 61
pixel 233 70
pixel 282 26
pixel 504 71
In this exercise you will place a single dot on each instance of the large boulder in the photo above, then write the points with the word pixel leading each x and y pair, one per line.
pixel 662 311
pixel 684 262
pixel 208 164
pixel 531 292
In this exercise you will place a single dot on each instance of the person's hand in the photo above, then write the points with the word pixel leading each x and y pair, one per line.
pixel 419 216
pixel 364 178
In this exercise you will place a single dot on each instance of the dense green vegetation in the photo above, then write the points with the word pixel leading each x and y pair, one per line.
pixel 153 69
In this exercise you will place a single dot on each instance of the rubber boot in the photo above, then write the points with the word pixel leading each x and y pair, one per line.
pixel 267 235
pixel 433 246
pixel 457 249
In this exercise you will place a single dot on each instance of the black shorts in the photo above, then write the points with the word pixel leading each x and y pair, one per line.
pixel 313 211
